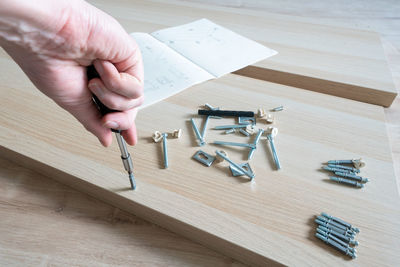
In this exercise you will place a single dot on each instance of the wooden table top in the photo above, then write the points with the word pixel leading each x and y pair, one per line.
pixel 95 233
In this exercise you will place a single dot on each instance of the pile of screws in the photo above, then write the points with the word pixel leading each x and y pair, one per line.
pixel 348 171
pixel 337 233
pixel 247 127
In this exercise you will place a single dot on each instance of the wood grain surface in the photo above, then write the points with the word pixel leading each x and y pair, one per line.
pixel 252 222
pixel 23 187
pixel 328 59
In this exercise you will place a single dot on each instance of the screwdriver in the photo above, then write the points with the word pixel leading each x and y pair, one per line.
pixel 125 156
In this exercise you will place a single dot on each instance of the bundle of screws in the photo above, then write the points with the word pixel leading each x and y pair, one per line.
pixel 348 171
pixel 337 233
pixel 246 126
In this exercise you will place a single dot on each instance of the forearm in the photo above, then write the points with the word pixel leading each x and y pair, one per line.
pixel 31 24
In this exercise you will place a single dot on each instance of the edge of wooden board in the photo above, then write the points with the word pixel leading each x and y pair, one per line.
pixel 354 92
pixel 253 254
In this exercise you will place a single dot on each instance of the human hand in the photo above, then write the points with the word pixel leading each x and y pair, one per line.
pixel 54 42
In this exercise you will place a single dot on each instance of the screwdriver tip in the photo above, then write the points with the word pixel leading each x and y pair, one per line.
pixel 132 181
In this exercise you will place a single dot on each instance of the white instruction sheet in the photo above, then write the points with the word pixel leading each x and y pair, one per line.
pixel 179 57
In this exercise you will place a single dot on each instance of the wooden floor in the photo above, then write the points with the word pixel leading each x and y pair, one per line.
pixel 57 225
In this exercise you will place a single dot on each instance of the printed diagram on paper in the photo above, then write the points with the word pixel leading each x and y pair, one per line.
pixel 179 57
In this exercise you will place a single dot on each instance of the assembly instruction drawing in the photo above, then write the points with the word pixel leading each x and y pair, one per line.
pixel 179 57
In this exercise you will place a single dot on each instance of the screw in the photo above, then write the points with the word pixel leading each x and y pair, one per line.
pixel 196 130
pixel 334 169
pixel 251 152
pixel 349 169
pixel 348 225
pixel 280 108
pixel 341 231
pixel 226 127
pixel 352 176
pixel 275 156
pixel 165 150
pixel 336 245
pixel 346 181
pixel 230 131
pixel 222 155
pixel 244 132
pixel 337 162
pixel 330 221
pixel 345 238
pixel 357 163
pixel 338 240
pixel 233 144
pixel 203 132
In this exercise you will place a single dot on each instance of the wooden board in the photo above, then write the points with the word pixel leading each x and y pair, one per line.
pixel 37 213
pixel 338 61
pixel 264 222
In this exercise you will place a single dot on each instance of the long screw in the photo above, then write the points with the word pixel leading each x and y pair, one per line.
pixel 337 166
pixel 334 228
pixel 345 238
pixel 203 132
pixel 346 181
pixel 338 240
pixel 227 127
pixel 251 152
pixel 223 143
pixel 338 220
pixel 198 135
pixel 352 176
pixel 275 155
pixel 165 150
pixel 336 245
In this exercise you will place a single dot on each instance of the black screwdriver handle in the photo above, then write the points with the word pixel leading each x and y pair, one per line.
pixel 91 74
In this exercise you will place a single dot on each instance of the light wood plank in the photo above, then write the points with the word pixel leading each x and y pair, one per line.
pixel 333 60
pixel 46 223
pixel 255 223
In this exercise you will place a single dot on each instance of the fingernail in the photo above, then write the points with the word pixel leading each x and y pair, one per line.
pixel 96 89
pixel 111 125
pixel 99 67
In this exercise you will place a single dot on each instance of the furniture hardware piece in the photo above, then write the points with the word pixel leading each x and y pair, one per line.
pixel 198 135
pixel 165 150
pixel 346 181
pixel 223 143
pixel 336 245
pixel 338 240
pixel 242 131
pixel 270 138
pixel 226 113
pixel 222 155
pixel 357 163
pixel 352 176
pixel 338 220
pixel 236 172
pixel 247 120
pixel 347 168
pixel 204 158
pixel 226 127
pixel 331 168
pixel 256 140
pixel 280 108
pixel 261 113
